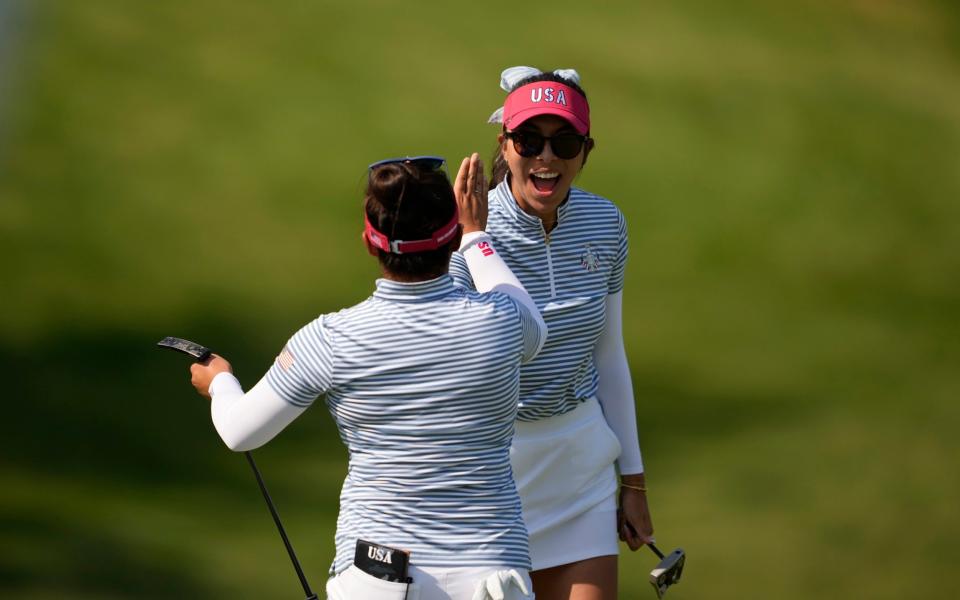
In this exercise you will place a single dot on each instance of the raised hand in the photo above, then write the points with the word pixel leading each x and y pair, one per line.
pixel 470 189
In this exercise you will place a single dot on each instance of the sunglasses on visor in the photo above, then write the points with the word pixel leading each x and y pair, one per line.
pixel 565 145
pixel 427 163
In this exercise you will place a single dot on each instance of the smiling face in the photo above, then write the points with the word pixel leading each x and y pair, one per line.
pixel 541 183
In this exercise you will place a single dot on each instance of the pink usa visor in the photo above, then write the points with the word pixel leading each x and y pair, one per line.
pixel 546 98
pixel 439 238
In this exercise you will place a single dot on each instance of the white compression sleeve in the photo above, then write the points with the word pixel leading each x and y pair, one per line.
pixel 615 388
pixel 248 421
pixel 490 273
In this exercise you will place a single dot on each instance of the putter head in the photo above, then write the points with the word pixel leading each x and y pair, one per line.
pixel 667 572
pixel 198 352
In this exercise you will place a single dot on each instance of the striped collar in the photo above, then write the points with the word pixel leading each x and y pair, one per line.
pixel 415 291
pixel 504 196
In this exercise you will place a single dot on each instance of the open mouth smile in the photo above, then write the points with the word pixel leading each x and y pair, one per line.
pixel 545 181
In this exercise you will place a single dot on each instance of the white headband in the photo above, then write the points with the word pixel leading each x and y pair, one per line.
pixel 511 76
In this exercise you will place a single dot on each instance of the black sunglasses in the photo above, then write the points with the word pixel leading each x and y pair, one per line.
pixel 565 145
pixel 428 163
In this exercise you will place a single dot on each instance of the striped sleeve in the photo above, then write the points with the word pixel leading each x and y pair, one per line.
pixel 304 369
pixel 534 333
pixel 489 273
pixel 460 272
pixel 618 272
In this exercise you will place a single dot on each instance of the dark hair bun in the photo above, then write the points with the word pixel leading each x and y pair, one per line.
pixel 388 184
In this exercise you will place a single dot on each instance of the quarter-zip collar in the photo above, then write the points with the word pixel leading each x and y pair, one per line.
pixel 503 195
pixel 531 227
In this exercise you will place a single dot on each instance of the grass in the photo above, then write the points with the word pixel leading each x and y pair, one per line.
pixel 789 173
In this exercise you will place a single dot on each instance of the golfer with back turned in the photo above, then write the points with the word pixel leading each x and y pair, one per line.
pixel 422 379
pixel 577 419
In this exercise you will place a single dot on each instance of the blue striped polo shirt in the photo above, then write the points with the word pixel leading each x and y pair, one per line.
pixel 568 272
pixel 422 380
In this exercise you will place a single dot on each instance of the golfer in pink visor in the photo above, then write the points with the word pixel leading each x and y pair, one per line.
pixel 575 453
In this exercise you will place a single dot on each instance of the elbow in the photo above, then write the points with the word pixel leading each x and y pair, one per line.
pixel 241 444
pixel 543 329
pixel 541 339
pixel 238 441
pixel 236 445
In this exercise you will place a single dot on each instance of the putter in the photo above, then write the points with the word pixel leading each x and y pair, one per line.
pixel 200 354
pixel 668 570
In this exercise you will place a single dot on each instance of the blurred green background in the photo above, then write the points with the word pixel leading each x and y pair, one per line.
pixel 790 173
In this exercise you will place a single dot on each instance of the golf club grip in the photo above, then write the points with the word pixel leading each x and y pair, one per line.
pixel 283 533
pixel 194 350
pixel 655 550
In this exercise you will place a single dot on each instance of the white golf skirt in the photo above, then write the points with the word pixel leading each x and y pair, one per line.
pixel 564 468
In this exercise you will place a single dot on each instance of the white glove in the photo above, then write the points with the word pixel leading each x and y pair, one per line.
pixel 494 587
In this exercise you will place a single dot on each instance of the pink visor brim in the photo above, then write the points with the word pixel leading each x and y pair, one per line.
pixel 546 98
pixel 439 238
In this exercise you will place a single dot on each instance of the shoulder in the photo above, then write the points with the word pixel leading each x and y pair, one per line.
pixel 584 203
pixel 498 198
pixel 482 298
pixel 494 304
pixel 331 323
pixel 313 333
pixel 590 217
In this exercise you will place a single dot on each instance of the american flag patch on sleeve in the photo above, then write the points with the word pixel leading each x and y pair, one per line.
pixel 285 359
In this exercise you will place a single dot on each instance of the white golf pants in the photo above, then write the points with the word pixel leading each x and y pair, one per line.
pixel 435 583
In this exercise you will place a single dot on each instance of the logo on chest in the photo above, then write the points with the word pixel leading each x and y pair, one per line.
pixel 589 259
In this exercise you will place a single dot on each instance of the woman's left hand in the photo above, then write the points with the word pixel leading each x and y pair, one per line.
pixel 470 189
pixel 633 516
pixel 202 374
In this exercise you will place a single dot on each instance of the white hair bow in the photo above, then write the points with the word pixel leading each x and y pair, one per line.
pixel 511 76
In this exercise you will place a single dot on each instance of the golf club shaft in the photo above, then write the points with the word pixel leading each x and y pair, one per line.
pixel 656 550
pixel 283 534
